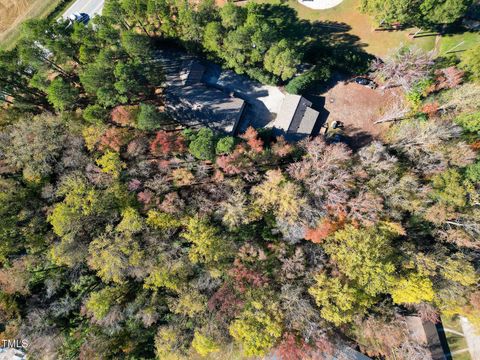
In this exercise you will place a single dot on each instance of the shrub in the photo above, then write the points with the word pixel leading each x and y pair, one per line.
pixel 302 83
pixel 202 144
pixel 225 145
pixel 469 122
pixel 95 114
pixel 148 118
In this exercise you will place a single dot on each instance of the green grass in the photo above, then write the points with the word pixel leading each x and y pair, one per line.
pixel 448 42
pixel 40 9
pixel 378 43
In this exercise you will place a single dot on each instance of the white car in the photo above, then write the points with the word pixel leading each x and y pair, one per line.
pixel 79 17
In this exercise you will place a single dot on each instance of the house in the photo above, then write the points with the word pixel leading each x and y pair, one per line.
pixel 296 118
pixel 195 102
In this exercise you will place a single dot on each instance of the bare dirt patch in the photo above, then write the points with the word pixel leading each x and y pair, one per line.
pixel 358 107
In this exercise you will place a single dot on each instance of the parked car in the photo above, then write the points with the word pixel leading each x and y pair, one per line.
pixel 80 18
pixel 365 82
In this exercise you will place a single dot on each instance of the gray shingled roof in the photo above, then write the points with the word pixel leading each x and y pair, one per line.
pixel 308 122
pixel 287 112
pixel 211 107
pixel 296 117
pixel 193 101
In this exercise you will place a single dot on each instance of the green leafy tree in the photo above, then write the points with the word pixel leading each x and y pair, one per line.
pixel 100 302
pixel 299 84
pixel 136 45
pixel 423 13
pixel 225 145
pixel 282 60
pixel 16 81
pixel 17 227
pixel 95 114
pixel 232 16
pixel 472 172
pixel 470 122
pixel 390 11
pixel 72 219
pixel 62 95
pixel 213 37
pixel 130 82
pixel 202 144
pixel 443 11
pixel 148 118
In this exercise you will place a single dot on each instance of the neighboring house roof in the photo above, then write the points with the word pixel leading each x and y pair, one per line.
pixel 193 72
pixel 296 118
pixel 211 107
pixel 193 100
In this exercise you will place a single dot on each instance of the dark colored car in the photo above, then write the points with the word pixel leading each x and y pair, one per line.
pixel 80 17
pixel 365 82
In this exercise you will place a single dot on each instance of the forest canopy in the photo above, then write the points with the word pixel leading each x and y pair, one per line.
pixel 126 234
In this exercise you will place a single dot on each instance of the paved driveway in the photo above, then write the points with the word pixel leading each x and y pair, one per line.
pixel 90 7
pixel 263 101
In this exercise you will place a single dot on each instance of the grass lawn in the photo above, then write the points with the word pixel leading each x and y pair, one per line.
pixel 379 43
pixel 15 15
pixel 466 40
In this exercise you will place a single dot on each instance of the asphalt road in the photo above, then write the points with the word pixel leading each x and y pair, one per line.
pixel 90 7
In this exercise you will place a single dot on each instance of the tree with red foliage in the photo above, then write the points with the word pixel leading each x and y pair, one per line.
pixel 325 228
pixel 124 115
pixel 322 231
pixel 292 349
pixel 113 138
pixel 226 302
pixel 236 162
pixel 243 277
pixel 251 137
pixel 281 148
pixel 430 109
pixel 448 78
pixel 166 143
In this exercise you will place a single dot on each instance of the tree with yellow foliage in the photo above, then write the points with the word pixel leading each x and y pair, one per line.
pixel 279 195
pixel 258 328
